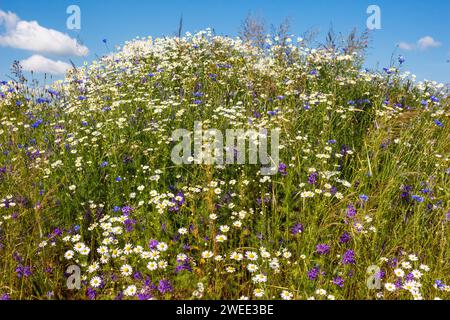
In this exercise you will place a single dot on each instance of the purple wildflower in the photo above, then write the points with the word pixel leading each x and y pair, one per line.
pixel 5 297
pixel 164 286
pixel 129 224
pixel 153 243
pixel 145 296
pixel 322 248
pixel 282 169
pixel 409 277
pixel 348 257
pixel 91 293
pixel 184 266
pixel 313 273
pixel 339 282
pixel 127 210
pixel 297 228
pixel 312 179
pixel 345 238
pixel 23 271
pixel 351 211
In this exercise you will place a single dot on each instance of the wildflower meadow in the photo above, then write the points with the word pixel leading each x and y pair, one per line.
pixel 352 202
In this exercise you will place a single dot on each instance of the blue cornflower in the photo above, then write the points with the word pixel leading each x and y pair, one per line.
pixel 401 59
pixel 438 123
pixel 363 197
pixel 42 100
pixel 439 285
pixel 434 99
pixel 37 123
pixel 418 198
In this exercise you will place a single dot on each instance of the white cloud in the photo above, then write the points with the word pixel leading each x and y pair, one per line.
pixel 406 46
pixel 40 64
pixel 428 42
pixel 423 44
pixel 29 35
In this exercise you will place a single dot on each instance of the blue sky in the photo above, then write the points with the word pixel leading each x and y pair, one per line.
pixel 403 21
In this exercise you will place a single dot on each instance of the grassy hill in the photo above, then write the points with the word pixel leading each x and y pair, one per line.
pixel 359 207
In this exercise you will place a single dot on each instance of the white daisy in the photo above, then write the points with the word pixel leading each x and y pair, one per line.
pixel 413 257
pixel 130 291
pixel 250 255
pixel 399 272
pixel 85 251
pixel 286 295
pixel 69 255
pixel 152 265
pixel 96 282
pixel 221 238
pixel 207 254
pixel 162 246
pixel 126 270
pixel 390 287
pixel 252 267
pixel 258 293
